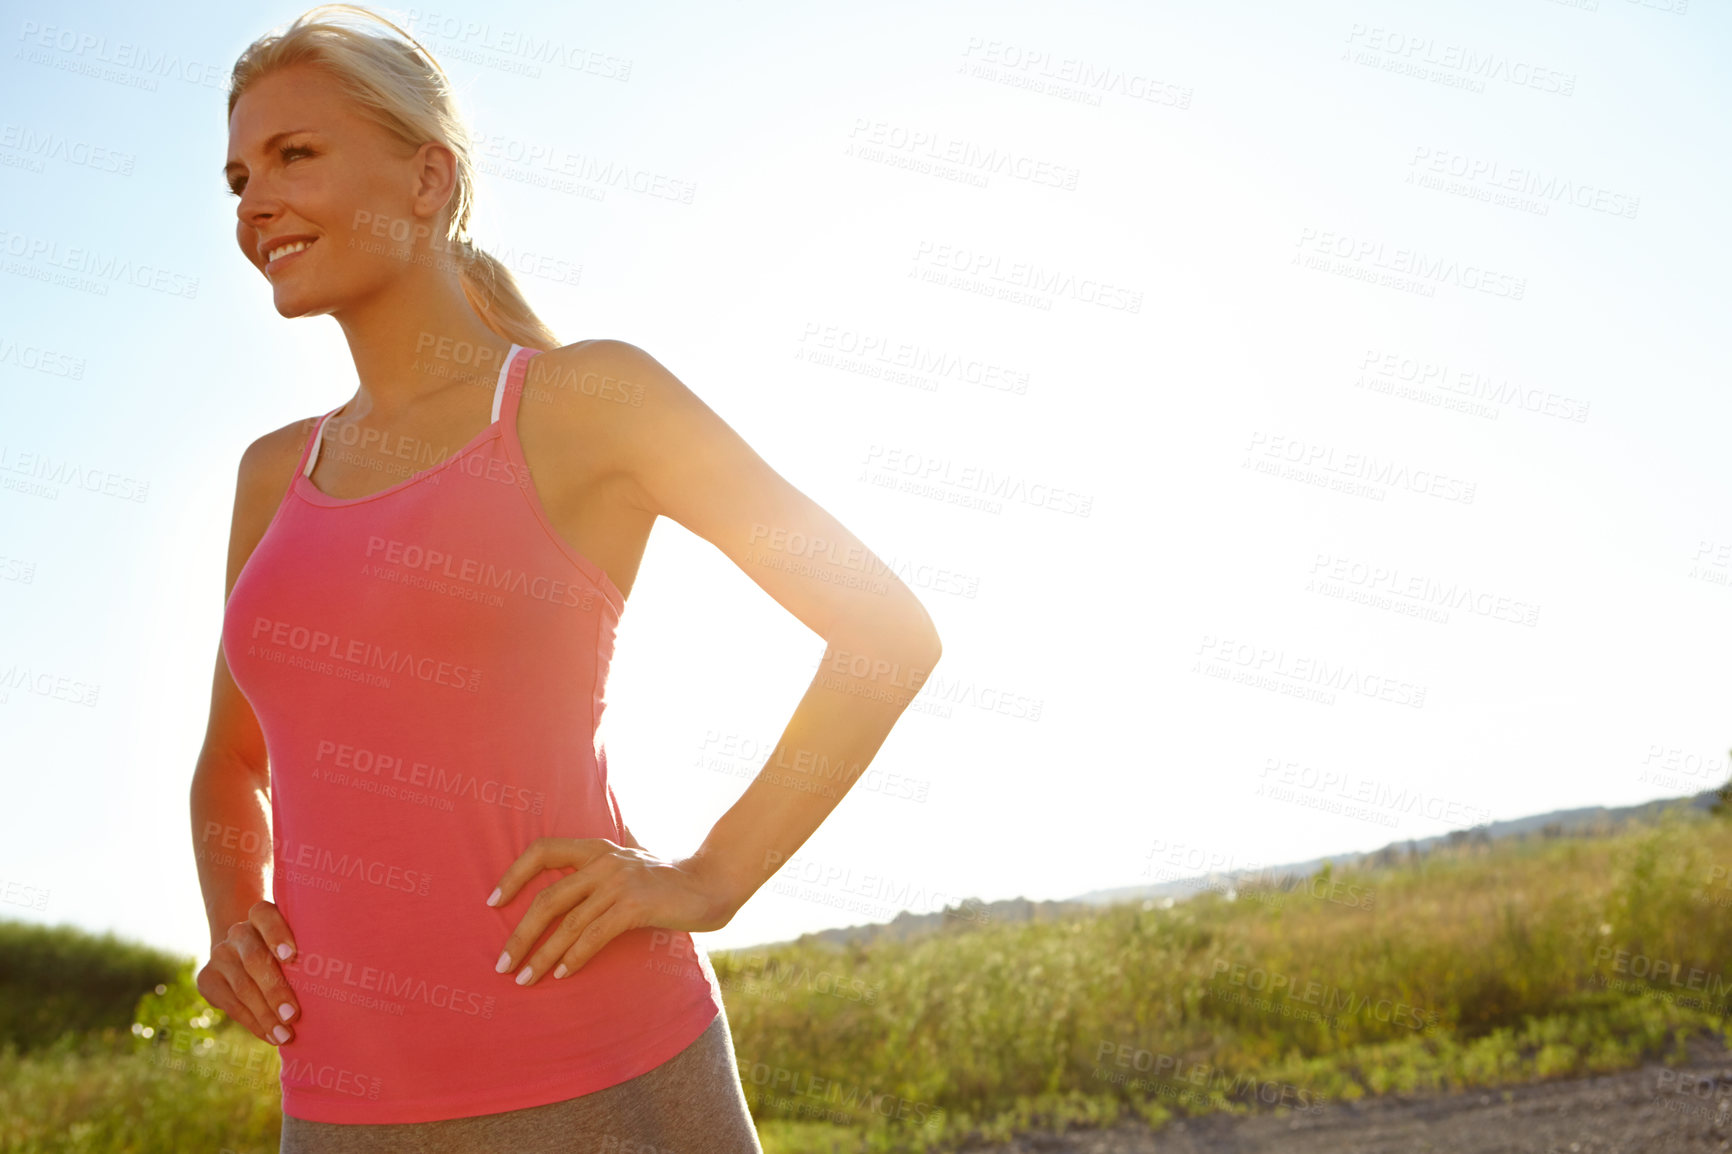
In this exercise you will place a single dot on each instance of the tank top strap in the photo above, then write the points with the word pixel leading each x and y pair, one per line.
pixel 509 395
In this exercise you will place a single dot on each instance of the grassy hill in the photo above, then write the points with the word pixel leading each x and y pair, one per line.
pixel 1588 821
pixel 1474 964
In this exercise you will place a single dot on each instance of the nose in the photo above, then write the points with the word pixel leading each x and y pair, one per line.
pixel 257 204
pixel 253 212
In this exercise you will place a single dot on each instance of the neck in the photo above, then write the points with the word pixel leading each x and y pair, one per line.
pixel 416 341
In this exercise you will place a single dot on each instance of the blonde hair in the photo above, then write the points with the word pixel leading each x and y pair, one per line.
pixel 402 88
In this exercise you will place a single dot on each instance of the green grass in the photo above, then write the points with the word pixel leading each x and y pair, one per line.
pixel 1476 966
pixel 1469 968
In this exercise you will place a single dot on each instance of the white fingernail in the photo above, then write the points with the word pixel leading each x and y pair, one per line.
pixel 284 950
pixel 504 963
pixel 280 1034
pixel 493 898
pixel 285 1011
pixel 523 978
pixel 560 972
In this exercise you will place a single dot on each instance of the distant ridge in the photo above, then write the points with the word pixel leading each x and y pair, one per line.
pixel 972 913
pixel 1558 822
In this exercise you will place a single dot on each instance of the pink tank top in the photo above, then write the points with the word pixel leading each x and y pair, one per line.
pixel 429 666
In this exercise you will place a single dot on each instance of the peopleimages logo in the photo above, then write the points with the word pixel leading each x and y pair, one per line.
pixel 1172 1070
pixel 1328 1001
pixel 1669 971
pixel 1369 255
pixel 1042 282
pixel 1307 676
pixel 1423 55
pixel 1376 794
pixel 327 869
pixel 309 643
pixel 402 777
pixel 50 471
pixel 945 475
pixel 354 981
pixel 328 1077
pixel 1386 586
pixel 1360 473
pixel 475 571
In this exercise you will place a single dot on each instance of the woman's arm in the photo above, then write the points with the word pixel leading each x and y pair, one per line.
pixel 230 794
pixel 231 833
pixel 835 732
pixel 680 460
pixel 689 465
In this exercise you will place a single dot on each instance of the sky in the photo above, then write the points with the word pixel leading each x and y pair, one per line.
pixel 1304 423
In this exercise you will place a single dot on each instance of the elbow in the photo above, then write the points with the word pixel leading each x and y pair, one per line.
pixel 903 632
pixel 919 631
pixel 221 765
pixel 923 636
pixel 923 651
pixel 921 641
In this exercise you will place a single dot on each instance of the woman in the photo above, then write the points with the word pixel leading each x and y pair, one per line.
pixel 465 948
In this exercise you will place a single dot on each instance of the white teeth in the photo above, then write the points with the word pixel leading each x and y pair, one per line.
pixel 297 246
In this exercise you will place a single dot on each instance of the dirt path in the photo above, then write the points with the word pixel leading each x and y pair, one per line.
pixel 1651 1110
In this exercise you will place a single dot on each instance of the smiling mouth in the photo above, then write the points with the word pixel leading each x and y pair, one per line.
pixel 294 251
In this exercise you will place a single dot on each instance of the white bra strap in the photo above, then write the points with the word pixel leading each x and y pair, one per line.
pixel 504 372
pixel 318 436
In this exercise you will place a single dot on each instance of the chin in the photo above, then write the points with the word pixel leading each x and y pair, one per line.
pixel 292 306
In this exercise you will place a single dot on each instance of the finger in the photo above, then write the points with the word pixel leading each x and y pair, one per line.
pixel 232 963
pixel 546 853
pixel 608 925
pixel 266 972
pixel 218 992
pixel 273 928
pixel 571 930
pixel 279 945
pixel 545 908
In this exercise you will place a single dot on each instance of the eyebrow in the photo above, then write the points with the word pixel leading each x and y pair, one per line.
pixel 268 145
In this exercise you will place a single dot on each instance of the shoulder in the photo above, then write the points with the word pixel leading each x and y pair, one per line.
pixel 266 470
pixel 632 414
pixel 270 459
pixel 609 371
pixel 619 388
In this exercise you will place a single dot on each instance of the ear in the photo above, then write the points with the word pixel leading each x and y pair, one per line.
pixel 435 168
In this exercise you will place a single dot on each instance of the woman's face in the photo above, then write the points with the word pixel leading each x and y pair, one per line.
pixel 304 165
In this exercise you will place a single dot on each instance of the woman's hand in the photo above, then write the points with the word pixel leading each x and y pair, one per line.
pixel 244 979
pixel 614 888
